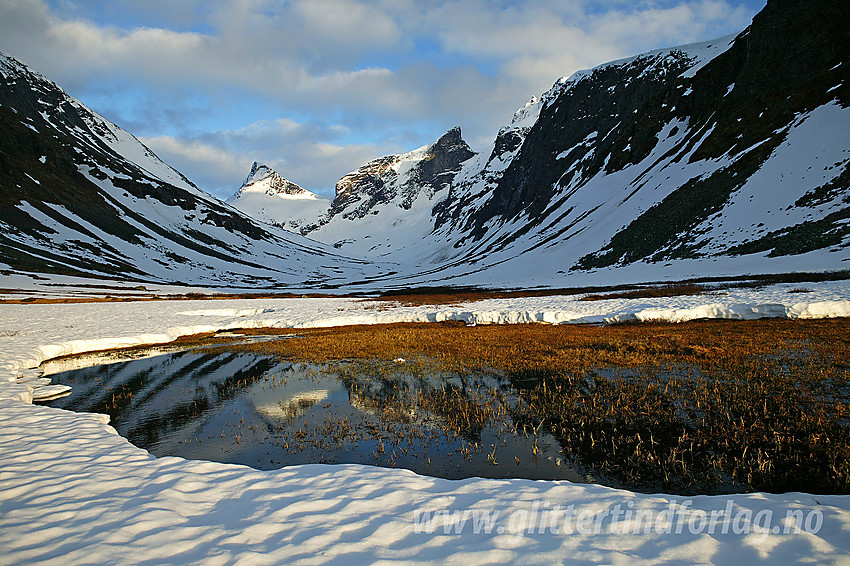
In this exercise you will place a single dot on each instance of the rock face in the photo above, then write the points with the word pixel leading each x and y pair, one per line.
pixel 80 196
pixel 387 203
pixel 747 102
pixel 400 179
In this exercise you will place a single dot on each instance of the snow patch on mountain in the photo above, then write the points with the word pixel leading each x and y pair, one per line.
pixel 644 162
pixel 267 196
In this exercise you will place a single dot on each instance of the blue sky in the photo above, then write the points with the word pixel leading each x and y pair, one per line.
pixel 315 88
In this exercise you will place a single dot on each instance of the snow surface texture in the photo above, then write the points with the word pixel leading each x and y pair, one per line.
pixel 72 489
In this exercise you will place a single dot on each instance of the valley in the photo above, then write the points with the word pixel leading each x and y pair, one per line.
pixel 613 331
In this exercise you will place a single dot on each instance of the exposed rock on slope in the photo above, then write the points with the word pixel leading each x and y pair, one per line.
pixel 400 178
pixel 384 205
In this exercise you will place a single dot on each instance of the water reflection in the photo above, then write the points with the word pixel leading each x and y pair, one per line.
pixel 258 411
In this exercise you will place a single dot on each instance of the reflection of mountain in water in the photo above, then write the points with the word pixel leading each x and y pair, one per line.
pixel 291 395
pixel 258 411
pixel 162 399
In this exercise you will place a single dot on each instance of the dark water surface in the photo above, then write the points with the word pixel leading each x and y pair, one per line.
pixel 255 410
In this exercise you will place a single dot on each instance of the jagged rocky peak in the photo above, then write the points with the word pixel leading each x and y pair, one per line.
pixel 444 156
pixel 268 180
pixel 451 143
pixel 368 178
pixel 438 167
pixel 404 177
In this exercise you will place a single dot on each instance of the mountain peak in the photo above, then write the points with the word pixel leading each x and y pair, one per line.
pixel 259 171
pixel 451 142
pixel 263 178
pixel 443 159
pixel 270 198
pixel 382 180
pixel 453 135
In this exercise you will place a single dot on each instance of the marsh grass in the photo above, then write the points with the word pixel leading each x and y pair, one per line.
pixel 761 405
pixel 674 290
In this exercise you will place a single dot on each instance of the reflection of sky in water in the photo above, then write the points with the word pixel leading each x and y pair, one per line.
pixel 257 411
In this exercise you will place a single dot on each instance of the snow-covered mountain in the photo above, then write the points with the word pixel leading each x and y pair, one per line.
pixel 725 157
pixel 729 155
pixel 267 196
pixel 79 196
pixel 384 205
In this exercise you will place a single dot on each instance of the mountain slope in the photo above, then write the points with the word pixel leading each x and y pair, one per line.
pixel 710 158
pixel 384 205
pixel 721 158
pixel 79 196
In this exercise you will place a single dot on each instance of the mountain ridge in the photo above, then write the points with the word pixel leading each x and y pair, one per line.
pixel 393 185
pixel 275 200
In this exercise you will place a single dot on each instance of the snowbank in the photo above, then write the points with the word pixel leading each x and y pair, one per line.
pixel 72 489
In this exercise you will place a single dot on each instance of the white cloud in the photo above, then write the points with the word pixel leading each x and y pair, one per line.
pixel 535 43
pixel 346 23
pixel 299 51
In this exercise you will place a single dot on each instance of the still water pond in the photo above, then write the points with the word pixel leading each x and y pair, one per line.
pixel 255 410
